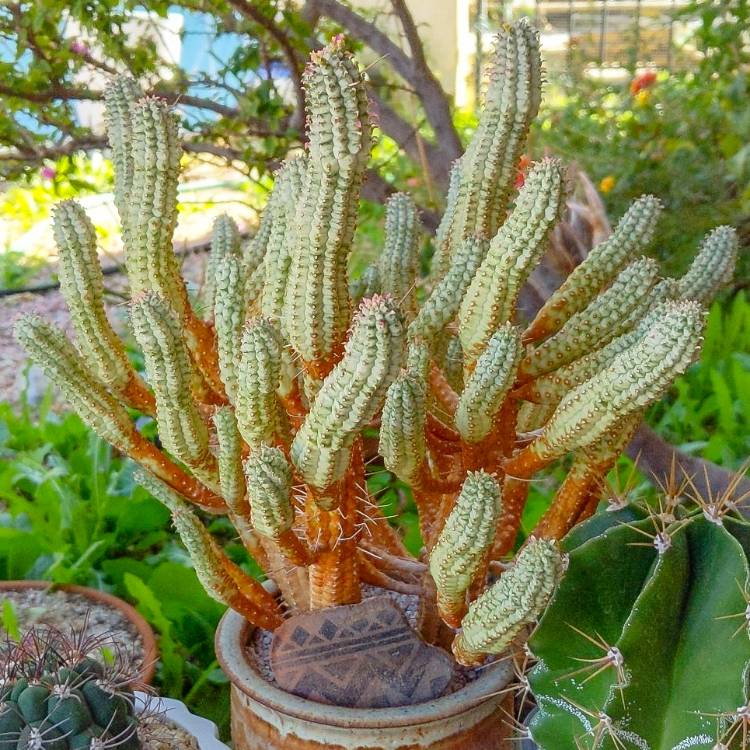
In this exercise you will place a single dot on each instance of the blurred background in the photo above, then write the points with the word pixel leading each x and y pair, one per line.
pixel 645 96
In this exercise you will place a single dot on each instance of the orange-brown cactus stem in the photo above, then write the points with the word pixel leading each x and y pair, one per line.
pixel 201 341
pixel 252 601
pixel 525 463
pixel 442 390
pixel 148 455
pixel 293 548
pixel 570 499
pixel 138 396
pixel 515 495
pixel 370 573
pixel 334 576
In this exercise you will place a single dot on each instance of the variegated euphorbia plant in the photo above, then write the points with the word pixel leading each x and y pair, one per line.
pixel 263 387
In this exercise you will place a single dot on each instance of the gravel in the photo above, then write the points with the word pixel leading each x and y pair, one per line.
pixel 158 733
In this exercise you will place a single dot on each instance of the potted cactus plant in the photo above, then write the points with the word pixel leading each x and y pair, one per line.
pixel 69 690
pixel 263 388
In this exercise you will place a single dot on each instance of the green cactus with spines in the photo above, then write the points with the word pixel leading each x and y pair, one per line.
pixel 268 402
pixel 513 253
pixel 683 593
pixel 61 692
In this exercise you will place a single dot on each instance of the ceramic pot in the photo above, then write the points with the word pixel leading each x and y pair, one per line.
pixel 204 731
pixel 150 652
pixel 264 717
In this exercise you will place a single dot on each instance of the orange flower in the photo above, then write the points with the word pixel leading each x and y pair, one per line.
pixel 523 165
pixel 607 184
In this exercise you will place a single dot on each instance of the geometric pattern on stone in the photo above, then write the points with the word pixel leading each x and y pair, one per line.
pixel 362 655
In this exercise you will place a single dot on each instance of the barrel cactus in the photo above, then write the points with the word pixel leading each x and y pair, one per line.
pixel 655 653
pixel 56 695
pixel 264 387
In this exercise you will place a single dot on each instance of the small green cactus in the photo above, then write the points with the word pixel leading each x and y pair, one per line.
pixel 56 695
pixel 654 654
pixel 269 387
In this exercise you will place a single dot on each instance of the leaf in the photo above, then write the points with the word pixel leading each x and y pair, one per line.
pixel 10 620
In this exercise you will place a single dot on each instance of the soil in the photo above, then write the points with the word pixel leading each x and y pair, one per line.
pixel 259 647
pixel 64 611
pixel 158 733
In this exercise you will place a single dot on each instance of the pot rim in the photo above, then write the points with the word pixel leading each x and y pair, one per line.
pixel 145 631
pixel 232 636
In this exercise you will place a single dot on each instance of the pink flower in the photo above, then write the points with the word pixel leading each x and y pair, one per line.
pixel 48 173
pixel 78 48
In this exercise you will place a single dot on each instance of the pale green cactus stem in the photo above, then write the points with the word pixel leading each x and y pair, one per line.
pixel 259 374
pixel 636 378
pixel 269 482
pixel 520 244
pixel 489 384
pixel 175 381
pixel 317 307
pixel 607 316
pixel 282 209
pixel 367 284
pixel 229 454
pixel 220 577
pixel 452 362
pixel 349 397
pixel 399 260
pixel 418 359
pixel 502 612
pixel 49 348
pixel 402 438
pixel 712 267
pixel 549 389
pixel 443 253
pixel 443 303
pixel 463 544
pixel 253 289
pixel 225 242
pixel 632 236
pixel 152 204
pixel 229 318
pixel 119 97
pixel 82 285
pixel 488 168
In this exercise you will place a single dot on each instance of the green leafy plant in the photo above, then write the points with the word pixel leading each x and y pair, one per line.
pixel 655 653
pixel 262 392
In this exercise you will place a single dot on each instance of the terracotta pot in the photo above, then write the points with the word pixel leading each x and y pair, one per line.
pixel 150 652
pixel 265 717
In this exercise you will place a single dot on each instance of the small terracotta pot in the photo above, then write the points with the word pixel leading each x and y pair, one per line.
pixel 265 717
pixel 146 633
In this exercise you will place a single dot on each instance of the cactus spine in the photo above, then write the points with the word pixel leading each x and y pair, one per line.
pixel 267 402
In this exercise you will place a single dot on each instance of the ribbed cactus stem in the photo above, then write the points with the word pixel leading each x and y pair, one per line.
pixel 402 438
pixel 48 347
pixel 488 168
pixel 229 318
pixel 119 97
pixel 488 385
pixel 607 316
pixel 221 578
pixel 351 395
pixel 317 307
pixel 269 482
pixel 632 236
pixel 225 242
pixel 444 302
pixel 399 260
pixel 491 297
pixel 82 285
pixel 281 212
pixel 463 544
pixel 499 615
pixel 636 378
pixel 259 374
pixel 175 381
pixel 712 267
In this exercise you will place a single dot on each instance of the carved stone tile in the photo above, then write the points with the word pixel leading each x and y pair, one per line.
pixel 362 656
